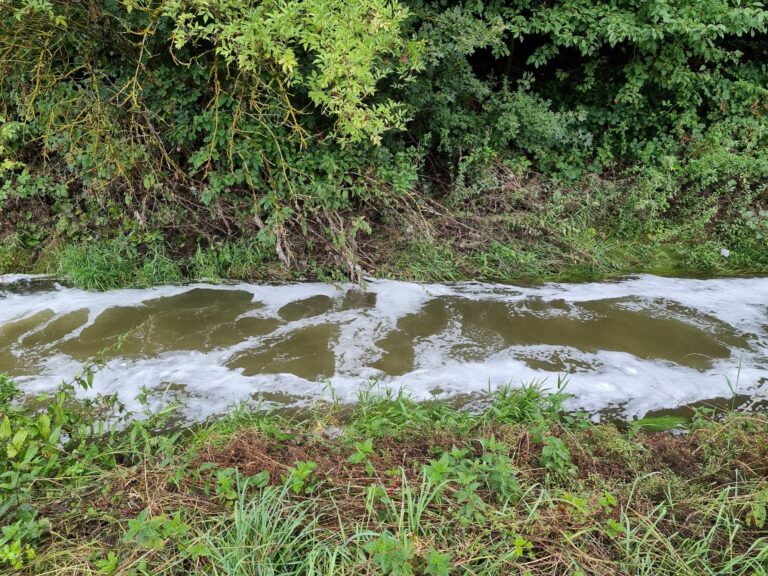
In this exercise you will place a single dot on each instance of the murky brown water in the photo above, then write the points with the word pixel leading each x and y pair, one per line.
pixel 641 344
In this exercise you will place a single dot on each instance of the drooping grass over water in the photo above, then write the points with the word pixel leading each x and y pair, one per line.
pixel 392 487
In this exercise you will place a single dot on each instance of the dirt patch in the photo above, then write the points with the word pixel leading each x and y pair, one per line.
pixel 676 453
pixel 251 453
pixel 594 452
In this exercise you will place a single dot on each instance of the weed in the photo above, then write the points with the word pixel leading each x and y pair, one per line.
pixel 301 477
pixel 363 452
pixel 243 259
pixel 444 491
pixel 556 457
pixel 393 556
pixel 153 532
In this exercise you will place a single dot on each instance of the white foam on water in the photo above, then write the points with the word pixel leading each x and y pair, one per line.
pixel 62 301
pixel 396 299
pixel 740 302
pixel 619 380
pixel 613 380
pixel 17 278
pixel 275 296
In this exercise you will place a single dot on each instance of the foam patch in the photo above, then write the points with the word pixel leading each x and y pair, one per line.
pixel 636 345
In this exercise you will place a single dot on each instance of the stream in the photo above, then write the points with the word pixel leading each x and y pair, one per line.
pixel 628 347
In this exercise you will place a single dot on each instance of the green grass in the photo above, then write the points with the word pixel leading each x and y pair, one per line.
pixel 426 260
pixel 106 265
pixel 116 264
pixel 271 534
pixel 113 264
pixel 659 423
pixel 513 486
pixel 239 260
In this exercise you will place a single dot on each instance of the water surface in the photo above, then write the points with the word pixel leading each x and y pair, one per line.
pixel 631 346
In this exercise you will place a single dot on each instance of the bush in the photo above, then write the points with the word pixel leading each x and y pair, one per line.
pixel 307 124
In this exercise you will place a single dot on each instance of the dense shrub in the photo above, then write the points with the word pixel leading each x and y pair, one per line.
pixel 302 123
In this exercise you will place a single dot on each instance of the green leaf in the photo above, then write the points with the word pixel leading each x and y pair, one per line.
pixel 44 426
pixel 5 428
pixel 16 444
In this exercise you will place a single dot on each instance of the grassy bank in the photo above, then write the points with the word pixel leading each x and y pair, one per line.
pixel 516 486
pixel 503 228
pixel 527 233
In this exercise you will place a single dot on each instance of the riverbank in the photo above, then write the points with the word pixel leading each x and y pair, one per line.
pixel 497 224
pixel 526 232
pixel 120 263
pixel 516 486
